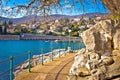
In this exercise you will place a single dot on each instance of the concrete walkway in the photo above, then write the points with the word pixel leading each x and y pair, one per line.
pixel 53 70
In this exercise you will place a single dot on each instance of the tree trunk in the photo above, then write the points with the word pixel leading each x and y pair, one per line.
pixel 112 5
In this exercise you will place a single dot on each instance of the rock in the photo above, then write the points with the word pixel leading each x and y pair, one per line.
pixel 25 65
pixel 93 59
pixel 82 71
pixel 94 64
pixel 113 71
pixel 88 78
pixel 107 61
pixel 91 55
pixel 116 40
pixel 74 77
pixel 98 38
pixel 79 67
pixel 36 61
pixel 101 58
pixel 115 53
pixel 116 79
pixel 69 49
pixel 99 74
pixel 71 77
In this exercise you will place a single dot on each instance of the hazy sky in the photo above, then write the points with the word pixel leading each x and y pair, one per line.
pixel 68 7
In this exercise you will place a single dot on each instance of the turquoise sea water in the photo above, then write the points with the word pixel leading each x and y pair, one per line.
pixel 17 47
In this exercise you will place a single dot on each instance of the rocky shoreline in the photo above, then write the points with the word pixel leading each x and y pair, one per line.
pixel 37 60
pixel 100 59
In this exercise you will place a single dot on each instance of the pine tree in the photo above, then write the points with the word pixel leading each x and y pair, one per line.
pixel 0 29
pixel 10 22
pixel 5 27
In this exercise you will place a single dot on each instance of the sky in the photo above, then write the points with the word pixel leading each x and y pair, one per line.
pixel 68 7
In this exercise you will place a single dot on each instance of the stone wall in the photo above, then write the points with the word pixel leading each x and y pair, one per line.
pixel 100 59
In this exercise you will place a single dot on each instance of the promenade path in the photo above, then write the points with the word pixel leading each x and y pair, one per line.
pixel 54 70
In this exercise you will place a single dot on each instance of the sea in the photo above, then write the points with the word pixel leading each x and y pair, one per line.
pixel 20 48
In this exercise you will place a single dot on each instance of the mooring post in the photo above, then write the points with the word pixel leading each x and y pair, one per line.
pixel 52 54
pixel 11 67
pixel 59 53
pixel 65 50
pixel 42 57
pixel 29 58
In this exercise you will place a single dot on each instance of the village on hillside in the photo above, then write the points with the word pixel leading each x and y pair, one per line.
pixel 56 27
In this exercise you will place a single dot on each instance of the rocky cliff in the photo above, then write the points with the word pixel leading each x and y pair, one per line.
pixel 100 59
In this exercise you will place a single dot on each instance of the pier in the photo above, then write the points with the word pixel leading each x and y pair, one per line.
pixel 48 37
pixel 9 37
pixel 39 37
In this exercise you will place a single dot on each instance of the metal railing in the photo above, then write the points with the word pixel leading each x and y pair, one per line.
pixel 31 61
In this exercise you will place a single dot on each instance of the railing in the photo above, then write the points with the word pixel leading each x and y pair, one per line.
pixel 31 61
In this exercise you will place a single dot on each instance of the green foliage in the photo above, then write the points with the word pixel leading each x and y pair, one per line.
pixel 91 21
pixel 116 16
pixel 74 31
pixel 75 34
pixel 4 23
pixel 52 33
pixel 24 30
pixel 85 28
pixel 34 31
pixel 66 32
pixel 75 28
pixel 17 32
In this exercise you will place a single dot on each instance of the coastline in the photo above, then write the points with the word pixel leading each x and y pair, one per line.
pixel 40 37
pixel 20 47
pixel 41 59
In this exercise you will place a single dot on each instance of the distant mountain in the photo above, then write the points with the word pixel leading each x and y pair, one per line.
pixel 31 18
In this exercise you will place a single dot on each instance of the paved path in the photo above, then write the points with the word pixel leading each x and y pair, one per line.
pixel 54 70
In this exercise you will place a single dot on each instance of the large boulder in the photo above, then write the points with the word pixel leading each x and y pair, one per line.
pixel 116 40
pixel 113 71
pixel 84 62
pixel 100 60
pixel 99 37
pixel 79 67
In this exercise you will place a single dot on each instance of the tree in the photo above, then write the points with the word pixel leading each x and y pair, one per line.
pixel 16 32
pixel 10 22
pixel 44 7
pixel 91 21
pixel 75 28
pixel 0 29
pixel 75 34
pixel 5 27
pixel 24 30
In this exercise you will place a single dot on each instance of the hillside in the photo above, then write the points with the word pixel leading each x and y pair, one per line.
pixel 31 18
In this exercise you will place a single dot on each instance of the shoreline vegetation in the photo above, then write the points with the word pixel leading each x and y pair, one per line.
pixel 40 37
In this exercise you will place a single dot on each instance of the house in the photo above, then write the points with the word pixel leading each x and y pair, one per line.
pixel 76 19
pixel 52 28
pixel 40 31
pixel 65 28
